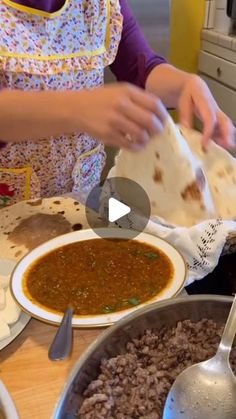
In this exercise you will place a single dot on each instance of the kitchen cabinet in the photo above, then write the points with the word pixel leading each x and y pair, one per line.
pixel 217 66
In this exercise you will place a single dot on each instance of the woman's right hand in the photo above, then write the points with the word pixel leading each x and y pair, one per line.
pixel 120 115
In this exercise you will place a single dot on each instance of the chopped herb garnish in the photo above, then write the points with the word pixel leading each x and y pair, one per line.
pixel 151 255
pixel 134 301
pixel 108 309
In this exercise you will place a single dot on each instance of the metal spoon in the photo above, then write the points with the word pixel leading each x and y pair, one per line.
pixel 62 342
pixel 206 390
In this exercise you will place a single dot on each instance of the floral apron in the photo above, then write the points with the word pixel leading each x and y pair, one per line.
pixel 64 50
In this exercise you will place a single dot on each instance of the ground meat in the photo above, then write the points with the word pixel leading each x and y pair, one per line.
pixel 135 385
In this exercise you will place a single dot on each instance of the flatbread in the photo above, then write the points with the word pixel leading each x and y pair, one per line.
pixel 220 168
pixel 173 176
pixel 27 224
pixel 185 184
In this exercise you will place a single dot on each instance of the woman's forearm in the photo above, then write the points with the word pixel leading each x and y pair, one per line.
pixel 167 83
pixel 36 115
pixel 106 113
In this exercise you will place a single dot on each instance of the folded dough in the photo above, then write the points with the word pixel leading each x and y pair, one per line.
pixel 172 171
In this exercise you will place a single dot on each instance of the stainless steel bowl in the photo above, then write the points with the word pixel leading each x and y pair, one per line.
pixel 113 341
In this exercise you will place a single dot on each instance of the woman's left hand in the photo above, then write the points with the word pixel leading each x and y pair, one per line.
pixel 197 100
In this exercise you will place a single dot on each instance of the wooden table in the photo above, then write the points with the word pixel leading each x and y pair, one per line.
pixel 35 382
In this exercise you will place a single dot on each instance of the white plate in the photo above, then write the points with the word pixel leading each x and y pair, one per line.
pixel 6 267
pixel 16 329
pixel 6 403
pixel 40 313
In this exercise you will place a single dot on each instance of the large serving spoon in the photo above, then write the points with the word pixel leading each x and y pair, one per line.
pixel 62 342
pixel 206 390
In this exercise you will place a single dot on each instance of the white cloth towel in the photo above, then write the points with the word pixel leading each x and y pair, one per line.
pixel 200 245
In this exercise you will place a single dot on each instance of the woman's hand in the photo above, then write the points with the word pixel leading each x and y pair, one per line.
pixel 120 115
pixel 196 99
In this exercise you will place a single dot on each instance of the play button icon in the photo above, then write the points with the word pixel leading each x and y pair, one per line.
pixel 118 203
pixel 116 210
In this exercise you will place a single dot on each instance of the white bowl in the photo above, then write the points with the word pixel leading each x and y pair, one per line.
pixel 7 405
pixel 44 314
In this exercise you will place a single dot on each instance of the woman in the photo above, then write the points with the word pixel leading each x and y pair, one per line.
pixel 53 54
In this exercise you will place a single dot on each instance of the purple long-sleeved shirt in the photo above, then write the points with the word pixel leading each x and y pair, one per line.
pixel 135 59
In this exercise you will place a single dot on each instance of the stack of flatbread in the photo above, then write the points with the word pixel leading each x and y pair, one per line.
pixel 185 184
pixel 9 310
